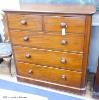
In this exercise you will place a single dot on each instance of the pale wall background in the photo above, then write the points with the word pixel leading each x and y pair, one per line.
pixel 7 4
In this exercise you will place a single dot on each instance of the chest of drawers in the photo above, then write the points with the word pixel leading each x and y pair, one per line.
pixel 51 48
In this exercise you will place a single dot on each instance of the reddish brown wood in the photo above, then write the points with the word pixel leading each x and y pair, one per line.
pixel 49 58
pixel 74 24
pixel 49 74
pixel 74 42
pixel 44 53
pixel 86 49
pixel 53 86
pixel 25 22
pixel 55 8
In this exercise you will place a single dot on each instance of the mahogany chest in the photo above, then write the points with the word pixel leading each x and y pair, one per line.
pixel 50 46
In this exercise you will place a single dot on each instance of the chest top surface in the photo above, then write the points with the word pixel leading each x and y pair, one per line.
pixel 55 8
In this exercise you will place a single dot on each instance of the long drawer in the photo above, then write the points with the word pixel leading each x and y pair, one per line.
pixel 70 42
pixel 72 23
pixel 63 77
pixel 25 21
pixel 61 60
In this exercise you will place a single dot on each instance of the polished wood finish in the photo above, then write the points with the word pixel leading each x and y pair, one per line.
pixel 25 22
pixel 73 41
pixel 55 8
pixel 49 58
pixel 73 23
pixel 50 74
pixel 50 47
pixel 86 49
pixel 59 87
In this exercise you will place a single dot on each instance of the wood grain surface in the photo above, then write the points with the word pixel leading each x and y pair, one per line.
pixel 54 41
pixel 63 77
pixel 70 61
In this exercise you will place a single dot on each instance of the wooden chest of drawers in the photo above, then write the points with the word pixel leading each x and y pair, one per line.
pixel 50 48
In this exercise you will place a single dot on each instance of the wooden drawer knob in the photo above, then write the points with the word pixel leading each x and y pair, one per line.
pixel 30 71
pixel 64 77
pixel 23 22
pixel 64 42
pixel 26 38
pixel 63 60
pixel 28 55
pixel 63 24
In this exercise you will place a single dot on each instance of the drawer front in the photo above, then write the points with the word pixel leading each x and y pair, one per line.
pixel 70 42
pixel 63 77
pixel 65 60
pixel 75 24
pixel 25 22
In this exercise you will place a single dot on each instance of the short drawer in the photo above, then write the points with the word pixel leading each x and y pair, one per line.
pixel 61 60
pixel 63 77
pixel 25 22
pixel 75 24
pixel 70 42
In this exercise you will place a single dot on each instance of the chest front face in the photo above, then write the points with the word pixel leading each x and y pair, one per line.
pixel 50 49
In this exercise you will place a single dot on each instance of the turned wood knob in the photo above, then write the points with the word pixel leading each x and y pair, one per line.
pixel 26 38
pixel 23 22
pixel 63 77
pixel 64 42
pixel 28 55
pixel 30 71
pixel 63 24
pixel 63 60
